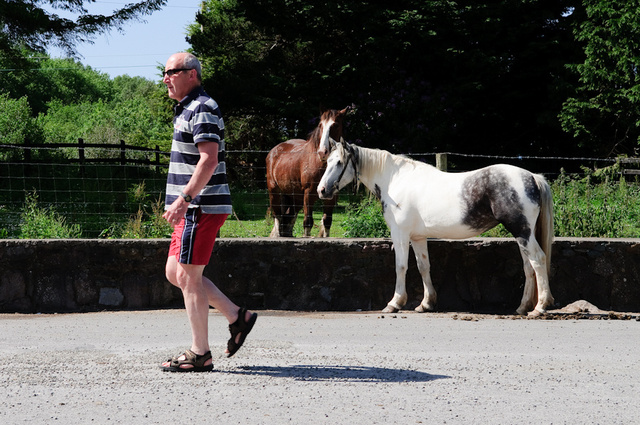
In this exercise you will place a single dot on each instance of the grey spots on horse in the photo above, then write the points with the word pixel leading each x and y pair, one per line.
pixel 488 199
pixel 523 242
pixel 531 188
pixel 378 194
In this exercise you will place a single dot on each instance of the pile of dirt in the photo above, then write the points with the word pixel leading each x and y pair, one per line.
pixel 584 310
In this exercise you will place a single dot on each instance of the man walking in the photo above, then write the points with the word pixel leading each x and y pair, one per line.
pixel 198 202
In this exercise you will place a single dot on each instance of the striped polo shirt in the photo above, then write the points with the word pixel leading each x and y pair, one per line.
pixel 198 119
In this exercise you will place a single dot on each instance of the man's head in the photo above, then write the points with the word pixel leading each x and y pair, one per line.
pixel 182 74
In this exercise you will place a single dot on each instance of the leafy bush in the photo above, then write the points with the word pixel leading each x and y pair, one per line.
pixel 365 220
pixel 591 208
pixel 146 222
pixel 44 223
pixel 16 123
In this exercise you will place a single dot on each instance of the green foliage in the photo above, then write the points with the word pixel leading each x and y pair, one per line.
pixel 105 122
pixel 42 79
pixel 28 23
pixel 433 75
pixel 604 111
pixel 365 220
pixel 596 206
pixel 38 222
pixel 16 123
pixel 598 203
pixel 146 222
pixel 137 112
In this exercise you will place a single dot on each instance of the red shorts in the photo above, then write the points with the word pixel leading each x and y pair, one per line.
pixel 193 238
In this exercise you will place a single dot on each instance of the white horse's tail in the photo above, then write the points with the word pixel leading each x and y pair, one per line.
pixel 544 225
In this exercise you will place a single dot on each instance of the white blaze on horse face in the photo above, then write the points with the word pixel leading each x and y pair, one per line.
pixel 324 148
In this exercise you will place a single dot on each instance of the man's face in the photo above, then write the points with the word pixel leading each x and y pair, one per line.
pixel 179 83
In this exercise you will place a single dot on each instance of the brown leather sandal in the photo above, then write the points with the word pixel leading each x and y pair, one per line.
pixel 240 327
pixel 190 358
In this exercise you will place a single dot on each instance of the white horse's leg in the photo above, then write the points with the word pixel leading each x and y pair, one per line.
pixel 399 299
pixel 275 232
pixel 324 230
pixel 422 259
pixel 538 261
pixel 529 294
pixel 323 233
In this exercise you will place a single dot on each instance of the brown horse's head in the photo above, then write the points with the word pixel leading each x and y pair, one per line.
pixel 329 131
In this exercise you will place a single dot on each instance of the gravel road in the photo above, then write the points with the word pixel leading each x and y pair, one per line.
pixel 321 368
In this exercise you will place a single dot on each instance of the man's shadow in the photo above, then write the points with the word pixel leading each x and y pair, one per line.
pixel 338 373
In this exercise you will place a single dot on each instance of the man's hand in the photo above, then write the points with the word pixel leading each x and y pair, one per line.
pixel 176 211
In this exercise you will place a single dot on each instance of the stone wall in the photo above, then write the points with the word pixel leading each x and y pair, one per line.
pixel 479 275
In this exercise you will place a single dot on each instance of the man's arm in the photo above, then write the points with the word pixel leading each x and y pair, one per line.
pixel 201 176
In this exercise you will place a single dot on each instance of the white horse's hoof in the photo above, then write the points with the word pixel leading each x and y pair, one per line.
pixel 390 309
pixel 535 313
pixel 423 309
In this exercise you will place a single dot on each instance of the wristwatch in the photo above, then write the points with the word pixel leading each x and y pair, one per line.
pixel 186 197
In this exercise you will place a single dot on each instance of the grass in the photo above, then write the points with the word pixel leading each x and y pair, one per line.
pixel 257 228
pixel 594 204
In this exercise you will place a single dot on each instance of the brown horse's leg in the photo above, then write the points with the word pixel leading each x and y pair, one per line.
pixel 275 205
pixel 307 208
pixel 289 215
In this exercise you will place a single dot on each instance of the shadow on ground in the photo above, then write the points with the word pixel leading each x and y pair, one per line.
pixel 338 373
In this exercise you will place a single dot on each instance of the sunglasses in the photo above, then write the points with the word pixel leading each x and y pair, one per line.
pixel 171 72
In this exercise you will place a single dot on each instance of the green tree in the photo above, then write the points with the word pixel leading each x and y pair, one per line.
pixel 604 112
pixel 65 80
pixel 28 24
pixel 130 120
pixel 28 27
pixel 472 76
pixel 16 122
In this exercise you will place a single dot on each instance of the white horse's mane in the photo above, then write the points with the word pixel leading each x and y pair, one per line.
pixel 377 158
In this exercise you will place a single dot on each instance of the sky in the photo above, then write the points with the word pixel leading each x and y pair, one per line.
pixel 143 45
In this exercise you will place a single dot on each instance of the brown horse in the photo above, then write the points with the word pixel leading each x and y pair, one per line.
pixel 294 169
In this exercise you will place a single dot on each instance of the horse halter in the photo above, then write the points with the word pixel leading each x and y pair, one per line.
pixel 352 156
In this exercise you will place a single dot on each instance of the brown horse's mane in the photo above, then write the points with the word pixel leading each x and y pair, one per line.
pixel 314 137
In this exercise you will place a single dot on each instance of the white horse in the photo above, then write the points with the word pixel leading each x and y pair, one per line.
pixel 419 202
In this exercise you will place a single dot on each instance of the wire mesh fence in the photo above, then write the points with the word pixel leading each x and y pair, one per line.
pixel 96 186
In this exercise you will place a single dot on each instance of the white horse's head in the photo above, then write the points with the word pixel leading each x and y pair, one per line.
pixel 341 170
pixel 330 130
